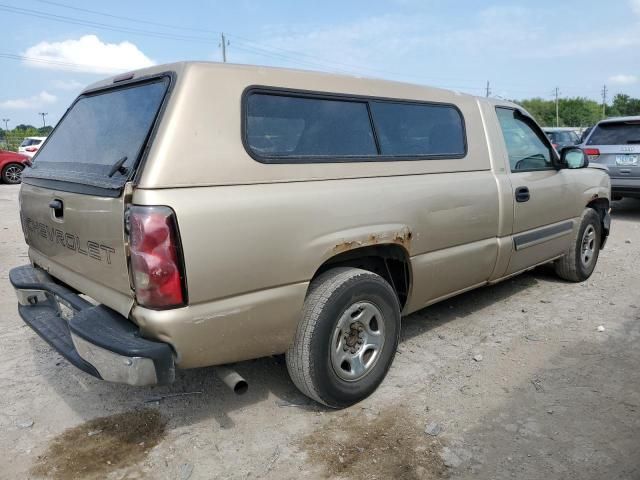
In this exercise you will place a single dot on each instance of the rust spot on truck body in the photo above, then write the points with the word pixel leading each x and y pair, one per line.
pixel 402 237
pixel 346 246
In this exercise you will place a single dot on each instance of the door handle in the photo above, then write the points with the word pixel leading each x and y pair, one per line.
pixel 522 194
pixel 56 205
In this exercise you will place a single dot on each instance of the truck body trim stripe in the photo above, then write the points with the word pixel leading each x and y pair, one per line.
pixel 536 237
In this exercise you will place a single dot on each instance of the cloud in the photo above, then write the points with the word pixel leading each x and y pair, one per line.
pixel 635 6
pixel 34 102
pixel 68 85
pixel 87 54
pixel 623 79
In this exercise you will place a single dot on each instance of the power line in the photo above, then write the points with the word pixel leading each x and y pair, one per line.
pixel 241 43
pixel 257 47
pixel 71 65
pixel 155 34
pixel 103 26
pixel 24 58
pixel 128 19
pixel 250 45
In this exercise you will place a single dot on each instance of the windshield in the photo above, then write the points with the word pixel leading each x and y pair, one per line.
pixel 615 133
pixel 99 130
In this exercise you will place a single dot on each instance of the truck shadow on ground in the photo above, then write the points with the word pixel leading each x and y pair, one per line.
pixel 198 394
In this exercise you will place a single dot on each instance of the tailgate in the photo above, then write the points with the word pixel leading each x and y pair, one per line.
pixel 623 161
pixel 82 243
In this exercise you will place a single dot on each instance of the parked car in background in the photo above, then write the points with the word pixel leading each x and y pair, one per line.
pixel 614 143
pixel 11 166
pixel 562 137
pixel 31 145
pixel 585 133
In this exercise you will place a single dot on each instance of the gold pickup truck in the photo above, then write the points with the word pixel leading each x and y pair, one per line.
pixel 198 214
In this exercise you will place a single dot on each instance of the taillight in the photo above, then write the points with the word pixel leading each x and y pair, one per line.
pixel 31 149
pixel 156 257
pixel 592 153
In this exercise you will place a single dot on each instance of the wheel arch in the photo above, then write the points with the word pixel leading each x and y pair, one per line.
pixel 389 260
pixel 602 206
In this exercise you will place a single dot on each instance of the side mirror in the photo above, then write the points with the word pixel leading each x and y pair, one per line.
pixel 573 157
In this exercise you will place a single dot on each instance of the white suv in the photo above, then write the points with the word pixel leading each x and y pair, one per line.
pixel 30 145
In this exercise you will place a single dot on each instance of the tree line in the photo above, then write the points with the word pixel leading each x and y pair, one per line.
pixel 11 139
pixel 579 111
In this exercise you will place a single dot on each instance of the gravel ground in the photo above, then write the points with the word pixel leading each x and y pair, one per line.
pixel 510 381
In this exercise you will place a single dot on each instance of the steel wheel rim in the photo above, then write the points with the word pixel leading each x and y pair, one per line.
pixel 357 341
pixel 13 173
pixel 588 247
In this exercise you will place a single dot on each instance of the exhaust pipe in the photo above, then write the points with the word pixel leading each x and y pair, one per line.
pixel 233 380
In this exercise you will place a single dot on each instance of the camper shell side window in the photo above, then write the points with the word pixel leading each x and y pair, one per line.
pixel 284 126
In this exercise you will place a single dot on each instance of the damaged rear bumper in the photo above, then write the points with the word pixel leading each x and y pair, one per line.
pixel 92 337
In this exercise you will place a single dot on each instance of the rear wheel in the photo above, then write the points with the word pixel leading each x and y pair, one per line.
pixel 12 173
pixel 580 261
pixel 347 338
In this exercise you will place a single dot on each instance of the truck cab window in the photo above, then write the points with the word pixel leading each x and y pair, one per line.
pixel 526 150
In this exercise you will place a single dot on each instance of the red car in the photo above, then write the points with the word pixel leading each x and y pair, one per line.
pixel 11 166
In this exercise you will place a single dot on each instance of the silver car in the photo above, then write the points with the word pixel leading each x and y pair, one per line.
pixel 614 143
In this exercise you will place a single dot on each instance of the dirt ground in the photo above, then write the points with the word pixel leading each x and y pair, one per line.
pixel 516 376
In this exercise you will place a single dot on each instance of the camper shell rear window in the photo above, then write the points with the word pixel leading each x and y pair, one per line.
pixel 100 131
pixel 283 126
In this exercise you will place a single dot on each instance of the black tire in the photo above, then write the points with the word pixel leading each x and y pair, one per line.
pixel 12 173
pixel 342 296
pixel 572 266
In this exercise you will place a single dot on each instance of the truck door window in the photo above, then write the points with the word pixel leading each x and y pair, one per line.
pixel 526 150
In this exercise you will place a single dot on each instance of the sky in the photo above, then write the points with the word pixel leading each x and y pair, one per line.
pixel 51 49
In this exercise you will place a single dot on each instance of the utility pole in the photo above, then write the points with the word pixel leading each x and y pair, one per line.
pixel 488 89
pixel 604 101
pixel 6 132
pixel 44 124
pixel 557 93
pixel 223 44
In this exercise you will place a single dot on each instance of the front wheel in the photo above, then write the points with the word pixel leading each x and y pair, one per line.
pixel 579 262
pixel 12 173
pixel 347 337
